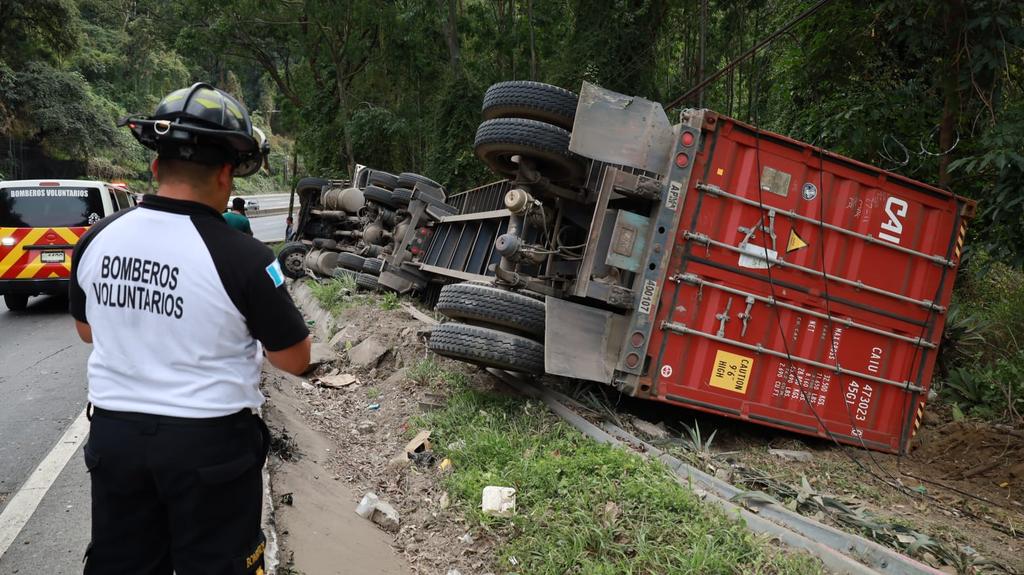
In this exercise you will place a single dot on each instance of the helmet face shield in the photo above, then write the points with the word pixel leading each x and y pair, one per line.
pixel 205 125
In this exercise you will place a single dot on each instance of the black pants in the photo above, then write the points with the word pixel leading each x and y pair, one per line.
pixel 176 495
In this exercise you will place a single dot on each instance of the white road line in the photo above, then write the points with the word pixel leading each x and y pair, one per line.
pixel 21 507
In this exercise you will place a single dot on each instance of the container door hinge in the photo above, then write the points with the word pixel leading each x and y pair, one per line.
pixel 723 318
pixel 745 315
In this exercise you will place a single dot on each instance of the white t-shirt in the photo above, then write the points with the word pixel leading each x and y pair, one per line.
pixel 177 299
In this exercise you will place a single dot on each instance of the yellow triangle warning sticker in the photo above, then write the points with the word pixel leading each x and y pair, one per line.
pixel 795 242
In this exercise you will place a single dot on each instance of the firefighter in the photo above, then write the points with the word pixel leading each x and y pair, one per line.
pixel 178 306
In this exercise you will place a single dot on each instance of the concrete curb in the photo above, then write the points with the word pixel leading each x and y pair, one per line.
pixel 324 324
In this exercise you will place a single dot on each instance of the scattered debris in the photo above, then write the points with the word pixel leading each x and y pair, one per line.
pixel 287 499
pixel 445 465
pixel 411 310
pixel 368 353
pixel 365 427
pixel 344 339
pixel 380 512
pixel 432 401
pixel 466 538
pixel 454 572
pixel 320 354
pixel 373 406
pixel 444 501
pixel 337 381
pixel 307 386
pixel 611 514
pixel 457 445
pixel 397 377
pixel 500 501
pixel 419 444
pixel 793 455
pixel 651 430
pixel 400 461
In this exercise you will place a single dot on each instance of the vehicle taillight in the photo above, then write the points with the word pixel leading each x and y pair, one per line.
pixel 49 184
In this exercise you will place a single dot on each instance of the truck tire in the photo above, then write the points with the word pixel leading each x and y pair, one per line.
pixel 548 146
pixel 351 261
pixel 366 281
pixel 314 183
pixel 401 197
pixel 292 257
pixel 382 179
pixel 379 195
pixel 409 180
pixel 343 273
pixel 487 347
pixel 373 266
pixel 490 305
pixel 16 301
pixel 531 100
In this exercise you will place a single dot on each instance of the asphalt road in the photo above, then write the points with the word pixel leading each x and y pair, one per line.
pixel 270 201
pixel 268 228
pixel 42 390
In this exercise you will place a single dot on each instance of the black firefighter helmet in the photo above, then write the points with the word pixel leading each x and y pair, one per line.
pixel 205 125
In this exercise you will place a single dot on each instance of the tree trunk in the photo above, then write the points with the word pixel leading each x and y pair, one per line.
pixel 533 48
pixel 452 32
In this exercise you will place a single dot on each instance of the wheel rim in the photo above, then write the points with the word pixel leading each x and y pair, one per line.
pixel 293 262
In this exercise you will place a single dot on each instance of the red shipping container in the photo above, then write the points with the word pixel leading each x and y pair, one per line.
pixel 805 291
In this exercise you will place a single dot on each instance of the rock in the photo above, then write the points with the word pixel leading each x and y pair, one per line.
pixel 319 355
pixel 365 427
pixel 368 353
pixel 651 430
pixel 307 386
pixel 344 339
pixel 454 572
pixel 466 538
pixel 793 455
pixel 444 501
pixel 397 377
pixel 500 501
pixel 337 381
pixel 386 516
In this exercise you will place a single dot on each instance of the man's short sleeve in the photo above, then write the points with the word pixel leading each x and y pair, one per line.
pixel 269 310
pixel 253 279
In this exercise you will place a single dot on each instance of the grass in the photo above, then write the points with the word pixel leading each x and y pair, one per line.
pixel 583 507
pixel 336 294
pixel 389 301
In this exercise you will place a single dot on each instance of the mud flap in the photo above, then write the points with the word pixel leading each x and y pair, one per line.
pixel 581 341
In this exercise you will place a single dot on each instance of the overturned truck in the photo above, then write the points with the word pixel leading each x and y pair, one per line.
pixel 353 227
pixel 706 264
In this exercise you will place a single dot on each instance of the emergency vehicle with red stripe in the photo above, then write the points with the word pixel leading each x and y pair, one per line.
pixel 40 223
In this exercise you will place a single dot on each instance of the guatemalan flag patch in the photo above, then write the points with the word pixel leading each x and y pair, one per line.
pixel 275 273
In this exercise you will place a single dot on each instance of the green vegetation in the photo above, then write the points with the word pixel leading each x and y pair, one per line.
pixel 389 301
pixel 335 294
pixel 928 89
pixel 982 352
pixel 583 507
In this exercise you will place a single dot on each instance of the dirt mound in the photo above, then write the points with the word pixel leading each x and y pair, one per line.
pixel 961 450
